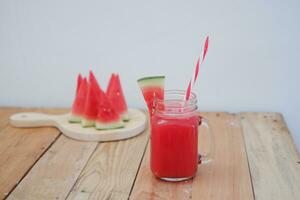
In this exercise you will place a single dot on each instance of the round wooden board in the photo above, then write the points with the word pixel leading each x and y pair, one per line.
pixel 133 127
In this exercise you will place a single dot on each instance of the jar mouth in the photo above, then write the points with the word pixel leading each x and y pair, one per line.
pixel 174 103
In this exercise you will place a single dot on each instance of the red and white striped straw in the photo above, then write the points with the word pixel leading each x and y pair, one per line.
pixel 196 71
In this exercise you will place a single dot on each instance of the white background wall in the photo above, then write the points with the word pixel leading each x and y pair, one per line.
pixel 252 63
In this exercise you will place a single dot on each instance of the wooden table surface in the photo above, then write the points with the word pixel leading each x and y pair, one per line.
pixel 254 158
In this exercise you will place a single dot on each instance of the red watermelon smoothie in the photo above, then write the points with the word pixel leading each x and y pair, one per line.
pixel 174 142
pixel 174 137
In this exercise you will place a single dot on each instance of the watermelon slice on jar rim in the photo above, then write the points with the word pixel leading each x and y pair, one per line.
pixel 152 87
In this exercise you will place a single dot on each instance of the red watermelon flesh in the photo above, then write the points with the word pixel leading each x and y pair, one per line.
pixel 115 95
pixel 149 94
pixel 79 102
pixel 108 117
pixel 94 81
pixel 152 88
pixel 91 103
pixel 79 80
pixel 110 83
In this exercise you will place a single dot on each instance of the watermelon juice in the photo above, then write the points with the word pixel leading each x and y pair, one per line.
pixel 174 146
pixel 174 137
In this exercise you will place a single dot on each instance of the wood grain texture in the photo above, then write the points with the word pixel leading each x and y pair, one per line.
pixel 70 169
pixel 4 116
pixel 226 177
pixel 273 158
pixel 53 176
pixel 147 187
pixel 111 171
pixel 21 148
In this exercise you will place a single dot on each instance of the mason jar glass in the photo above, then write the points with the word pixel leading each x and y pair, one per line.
pixel 174 137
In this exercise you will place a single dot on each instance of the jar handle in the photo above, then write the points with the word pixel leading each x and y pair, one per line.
pixel 206 158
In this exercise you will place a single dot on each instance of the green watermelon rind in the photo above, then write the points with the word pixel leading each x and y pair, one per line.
pixel 151 81
pixel 110 125
pixel 125 116
pixel 74 119
pixel 87 123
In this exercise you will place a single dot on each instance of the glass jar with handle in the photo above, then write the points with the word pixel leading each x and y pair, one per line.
pixel 174 137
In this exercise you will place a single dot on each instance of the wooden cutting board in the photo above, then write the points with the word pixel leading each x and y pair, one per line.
pixel 133 127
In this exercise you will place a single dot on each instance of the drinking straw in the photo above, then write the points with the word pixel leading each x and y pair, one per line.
pixel 196 71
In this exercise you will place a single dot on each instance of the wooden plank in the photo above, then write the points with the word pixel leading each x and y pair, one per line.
pixel 55 173
pixel 273 158
pixel 20 148
pixel 4 116
pixel 226 177
pixel 112 169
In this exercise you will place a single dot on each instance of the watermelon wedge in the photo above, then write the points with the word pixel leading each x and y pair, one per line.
pixel 79 81
pixel 108 117
pixel 91 103
pixel 111 83
pixel 79 101
pixel 115 95
pixel 152 87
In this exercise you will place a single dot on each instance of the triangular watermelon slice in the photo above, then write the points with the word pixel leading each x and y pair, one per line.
pixel 78 103
pixel 111 83
pixel 91 103
pixel 108 117
pixel 152 87
pixel 115 95
pixel 79 81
